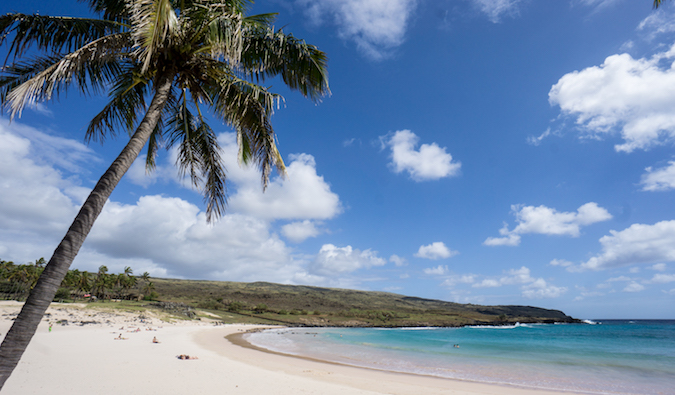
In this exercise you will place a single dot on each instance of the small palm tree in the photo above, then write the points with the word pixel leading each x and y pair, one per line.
pixel 184 55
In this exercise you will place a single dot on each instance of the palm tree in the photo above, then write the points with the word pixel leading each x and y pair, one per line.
pixel 184 55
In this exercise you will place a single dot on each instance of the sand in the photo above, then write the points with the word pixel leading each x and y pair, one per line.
pixel 76 358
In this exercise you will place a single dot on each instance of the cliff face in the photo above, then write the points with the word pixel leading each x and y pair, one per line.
pixel 316 306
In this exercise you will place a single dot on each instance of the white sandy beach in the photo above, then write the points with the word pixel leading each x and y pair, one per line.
pixel 78 358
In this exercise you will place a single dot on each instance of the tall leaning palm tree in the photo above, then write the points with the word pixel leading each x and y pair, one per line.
pixel 182 55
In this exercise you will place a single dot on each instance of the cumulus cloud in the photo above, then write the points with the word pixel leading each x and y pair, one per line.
pixel 659 267
pixel 40 194
pixel 333 260
pixel 663 278
pixel 303 194
pixel 459 279
pixel 638 244
pixel 173 233
pixel 376 26
pixel 662 179
pixel 436 250
pixel 548 221
pixel 496 9
pixel 298 232
pixel 398 261
pixel 634 287
pixel 560 262
pixel 531 287
pixel 635 97
pixel 430 162
pixel 437 271
pixel 34 194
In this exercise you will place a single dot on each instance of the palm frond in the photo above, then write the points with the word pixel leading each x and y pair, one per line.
pixel 89 68
pixel 114 10
pixel 199 156
pixel 302 66
pixel 126 105
pixel 52 34
pixel 155 25
pixel 247 108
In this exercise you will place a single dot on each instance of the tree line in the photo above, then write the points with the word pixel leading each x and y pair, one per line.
pixel 17 280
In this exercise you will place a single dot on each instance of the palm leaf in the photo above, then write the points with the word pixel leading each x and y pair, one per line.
pixel 302 66
pixel 126 104
pixel 89 68
pixel 155 25
pixel 52 34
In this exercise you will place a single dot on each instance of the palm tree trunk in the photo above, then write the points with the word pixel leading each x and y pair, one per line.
pixel 23 329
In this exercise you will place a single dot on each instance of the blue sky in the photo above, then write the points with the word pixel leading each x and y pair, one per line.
pixel 477 151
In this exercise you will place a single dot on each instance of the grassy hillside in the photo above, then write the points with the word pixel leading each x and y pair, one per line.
pixel 314 306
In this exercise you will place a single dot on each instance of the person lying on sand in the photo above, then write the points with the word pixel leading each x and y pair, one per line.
pixel 184 356
pixel 120 337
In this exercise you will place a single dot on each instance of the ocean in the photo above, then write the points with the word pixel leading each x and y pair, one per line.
pixel 600 357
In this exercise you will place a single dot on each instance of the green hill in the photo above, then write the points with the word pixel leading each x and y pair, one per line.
pixel 315 306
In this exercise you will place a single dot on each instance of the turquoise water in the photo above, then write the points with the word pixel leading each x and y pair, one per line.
pixel 609 357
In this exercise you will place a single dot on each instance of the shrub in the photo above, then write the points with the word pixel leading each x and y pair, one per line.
pixel 260 308
pixel 62 293
pixel 235 306
pixel 210 305
pixel 152 296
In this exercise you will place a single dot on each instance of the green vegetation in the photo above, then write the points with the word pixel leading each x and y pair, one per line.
pixel 315 306
pixel 16 282
pixel 264 303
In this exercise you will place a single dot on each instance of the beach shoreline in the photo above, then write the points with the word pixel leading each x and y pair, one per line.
pixel 83 355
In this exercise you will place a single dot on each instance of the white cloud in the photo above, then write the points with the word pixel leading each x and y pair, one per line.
pixel 659 22
pixel 620 278
pixel 531 287
pixel 638 244
pixel 548 221
pixel 298 232
pixel 34 195
pixel 633 96
pixel 671 292
pixel 42 109
pixel 634 287
pixel 436 250
pixel 659 267
pixel 166 236
pixel 376 26
pixel 540 289
pixel 459 279
pixel 303 194
pixel 332 260
pixel 661 179
pixel 560 262
pixel 536 141
pixel 596 3
pixel 430 162
pixel 495 9
pixel 508 239
pixel 398 261
pixel 438 270
pixel 662 278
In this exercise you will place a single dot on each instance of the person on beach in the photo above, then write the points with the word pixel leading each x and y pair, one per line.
pixel 154 340
pixel 185 356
